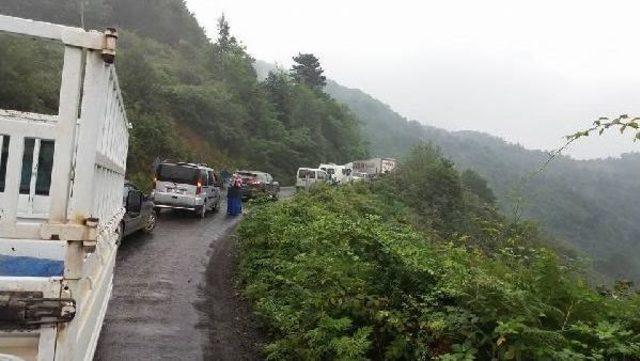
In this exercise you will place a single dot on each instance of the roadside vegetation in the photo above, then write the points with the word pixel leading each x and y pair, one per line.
pixel 420 265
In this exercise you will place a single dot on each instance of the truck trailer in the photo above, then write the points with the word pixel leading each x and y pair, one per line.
pixel 375 166
pixel 61 201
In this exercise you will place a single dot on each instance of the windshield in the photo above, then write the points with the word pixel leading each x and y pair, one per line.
pixel 247 175
pixel 177 174
pixel 302 173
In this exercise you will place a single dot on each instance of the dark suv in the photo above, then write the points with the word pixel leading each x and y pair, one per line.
pixel 255 184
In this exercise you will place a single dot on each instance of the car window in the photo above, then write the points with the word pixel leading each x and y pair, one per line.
pixel 248 177
pixel 204 178
pixel 312 174
pixel 177 174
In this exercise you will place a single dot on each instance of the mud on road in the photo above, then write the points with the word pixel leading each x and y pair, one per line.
pixel 173 296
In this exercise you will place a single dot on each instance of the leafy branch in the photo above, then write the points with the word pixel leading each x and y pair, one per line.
pixel 622 123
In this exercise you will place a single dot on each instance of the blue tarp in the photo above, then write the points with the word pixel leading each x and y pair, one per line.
pixel 12 266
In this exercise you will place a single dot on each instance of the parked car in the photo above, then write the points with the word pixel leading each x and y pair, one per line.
pixel 307 177
pixel 255 184
pixel 139 212
pixel 189 186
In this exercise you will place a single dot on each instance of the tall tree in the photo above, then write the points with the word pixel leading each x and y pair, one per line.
pixel 225 39
pixel 308 71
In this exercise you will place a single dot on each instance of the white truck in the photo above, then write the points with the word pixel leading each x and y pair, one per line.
pixel 375 166
pixel 340 174
pixel 61 196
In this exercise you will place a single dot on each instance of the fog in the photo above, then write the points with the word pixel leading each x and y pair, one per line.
pixel 529 72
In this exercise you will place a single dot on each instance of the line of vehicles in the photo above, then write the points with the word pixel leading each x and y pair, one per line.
pixel 356 171
pixel 186 186
pixel 198 188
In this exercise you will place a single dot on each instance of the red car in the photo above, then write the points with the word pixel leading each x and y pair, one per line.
pixel 256 184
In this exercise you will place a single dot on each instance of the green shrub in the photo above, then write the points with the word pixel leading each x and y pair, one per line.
pixel 341 274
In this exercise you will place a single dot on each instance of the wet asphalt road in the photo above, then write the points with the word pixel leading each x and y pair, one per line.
pixel 173 295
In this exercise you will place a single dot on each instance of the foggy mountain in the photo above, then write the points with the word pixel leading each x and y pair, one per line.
pixel 592 204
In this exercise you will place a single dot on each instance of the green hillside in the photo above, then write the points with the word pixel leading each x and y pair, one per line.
pixel 187 97
pixel 416 267
pixel 592 204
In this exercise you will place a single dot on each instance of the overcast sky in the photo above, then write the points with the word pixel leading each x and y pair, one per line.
pixel 528 71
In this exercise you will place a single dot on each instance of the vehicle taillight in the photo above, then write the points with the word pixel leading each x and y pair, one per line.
pixel 199 188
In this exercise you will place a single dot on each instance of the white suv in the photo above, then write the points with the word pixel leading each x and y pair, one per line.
pixel 189 186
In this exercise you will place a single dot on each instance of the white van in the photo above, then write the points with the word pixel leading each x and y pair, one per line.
pixel 190 186
pixel 306 177
pixel 340 174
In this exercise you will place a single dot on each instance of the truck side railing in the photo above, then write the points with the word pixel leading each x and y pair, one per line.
pixel 88 151
pixel 61 187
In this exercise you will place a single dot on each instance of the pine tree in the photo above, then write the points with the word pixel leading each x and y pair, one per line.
pixel 225 39
pixel 308 71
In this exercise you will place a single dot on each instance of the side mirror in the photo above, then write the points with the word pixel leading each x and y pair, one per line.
pixel 134 202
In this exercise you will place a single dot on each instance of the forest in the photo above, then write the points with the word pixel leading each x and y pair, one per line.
pixel 190 97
